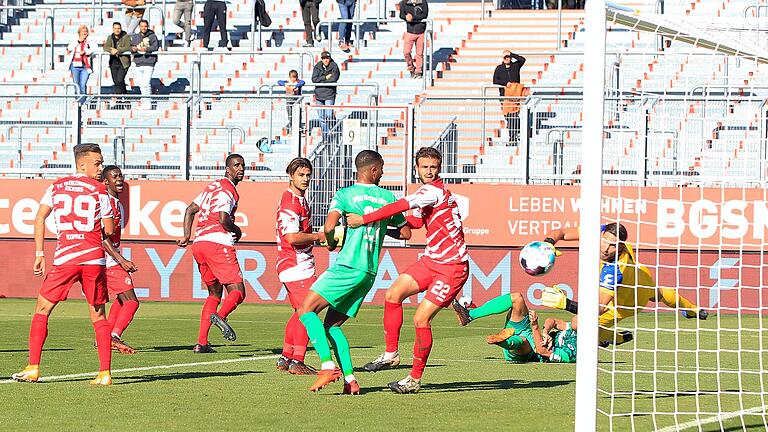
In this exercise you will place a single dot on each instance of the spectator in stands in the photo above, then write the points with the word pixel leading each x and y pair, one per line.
pixel 80 52
pixel 215 9
pixel 144 46
pixel 325 71
pixel 292 90
pixel 505 75
pixel 133 14
pixel 184 8
pixel 118 45
pixel 414 12
pixel 347 11
pixel 310 13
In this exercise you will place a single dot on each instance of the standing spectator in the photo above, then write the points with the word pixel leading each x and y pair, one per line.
pixel 118 45
pixel 505 74
pixel 414 12
pixel 215 9
pixel 80 52
pixel 292 90
pixel 133 14
pixel 310 13
pixel 325 71
pixel 184 8
pixel 347 11
pixel 144 47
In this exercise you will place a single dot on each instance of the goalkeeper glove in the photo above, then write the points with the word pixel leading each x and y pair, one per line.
pixel 555 298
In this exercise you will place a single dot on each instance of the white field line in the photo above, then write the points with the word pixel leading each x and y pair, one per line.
pixel 714 419
pixel 148 368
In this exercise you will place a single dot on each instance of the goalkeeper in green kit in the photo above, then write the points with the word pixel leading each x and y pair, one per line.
pixel 345 284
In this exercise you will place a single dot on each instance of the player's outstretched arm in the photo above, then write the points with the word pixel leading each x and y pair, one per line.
pixel 42 213
pixel 300 238
pixel 330 229
pixel 229 224
pixel 389 210
pixel 567 234
pixel 402 233
pixel 127 265
pixel 189 217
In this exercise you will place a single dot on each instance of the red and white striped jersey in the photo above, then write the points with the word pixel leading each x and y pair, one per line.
pixel 435 205
pixel 294 262
pixel 218 196
pixel 117 212
pixel 78 204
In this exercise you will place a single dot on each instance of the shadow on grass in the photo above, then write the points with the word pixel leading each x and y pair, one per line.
pixel 461 386
pixel 26 350
pixel 119 380
pixel 169 348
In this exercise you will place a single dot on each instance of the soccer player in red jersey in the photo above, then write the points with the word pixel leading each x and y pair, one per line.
pixel 441 271
pixel 295 262
pixel 82 214
pixel 214 250
pixel 119 269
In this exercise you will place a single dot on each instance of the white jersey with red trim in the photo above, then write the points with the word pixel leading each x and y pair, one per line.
pixel 78 204
pixel 117 211
pixel 219 196
pixel 294 262
pixel 435 205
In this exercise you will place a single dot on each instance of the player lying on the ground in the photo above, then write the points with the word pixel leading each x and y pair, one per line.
pixel 214 250
pixel 119 269
pixel 346 283
pixel 521 339
pixel 626 286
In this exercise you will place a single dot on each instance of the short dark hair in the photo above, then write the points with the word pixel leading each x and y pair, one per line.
pixel 429 153
pixel 233 156
pixel 367 158
pixel 144 21
pixel 297 163
pixel 117 23
pixel 109 168
pixel 85 148
pixel 618 230
pixel 293 72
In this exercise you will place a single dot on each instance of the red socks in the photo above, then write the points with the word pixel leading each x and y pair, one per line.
pixel 296 339
pixel 114 311
pixel 209 307
pixel 421 348
pixel 393 322
pixel 38 331
pixel 230 303
pixel 103 343
pixel 125 316
pixel 288 337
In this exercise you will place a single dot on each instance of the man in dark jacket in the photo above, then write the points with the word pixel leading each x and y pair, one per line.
pixel 414 12
pixel 310 13
pixel 118 45
pixel 505 73
pixel 144 46
pixel 325 71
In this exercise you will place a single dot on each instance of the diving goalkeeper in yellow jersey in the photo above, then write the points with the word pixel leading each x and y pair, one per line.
pixel 625 285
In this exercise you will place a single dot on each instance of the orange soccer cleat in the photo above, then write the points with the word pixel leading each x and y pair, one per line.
pixel 501 336
pixel 120 346
pixel 103 378
pixel 351 388
pixel 31 373
pixel 325 377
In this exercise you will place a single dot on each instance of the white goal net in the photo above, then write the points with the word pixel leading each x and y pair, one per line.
pixel 683 159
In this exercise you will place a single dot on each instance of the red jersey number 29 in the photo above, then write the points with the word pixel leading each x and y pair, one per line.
pixel 77 214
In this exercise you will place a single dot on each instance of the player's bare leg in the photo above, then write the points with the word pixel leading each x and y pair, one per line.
pixel 314 304
pixel 422 346
pixel 235 296
pixel 215 290
pixel 403 287
pixel 38 332
pixel 129 304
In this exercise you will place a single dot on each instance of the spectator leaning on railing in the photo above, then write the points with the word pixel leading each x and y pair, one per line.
pixel 325 71
pixel 292 90
pixel 118 45
pixel 144 46
pixel 80 52
pixel 414 12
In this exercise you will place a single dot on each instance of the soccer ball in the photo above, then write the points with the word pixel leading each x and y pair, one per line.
pixel 537 258
pixel 466 301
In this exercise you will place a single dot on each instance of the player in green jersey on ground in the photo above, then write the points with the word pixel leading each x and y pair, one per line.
pixel 345 284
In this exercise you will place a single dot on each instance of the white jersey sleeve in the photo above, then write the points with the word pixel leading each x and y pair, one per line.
pixel 105 206
pixel 47 199
pixel 425 196
pixel 288 222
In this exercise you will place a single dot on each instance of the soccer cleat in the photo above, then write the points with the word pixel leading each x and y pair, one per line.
pixel 300 368
pixel 325 377
pixel 501 336
pixel 223 325
pixel 351 388
pixel 383 362
pixel 203 349
pixel 120 346
pixel 103 378
pixel 283 363
pixel 31 373
pixel 623 337
pixel 405 385
pixel 689 314
pixel 462 313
